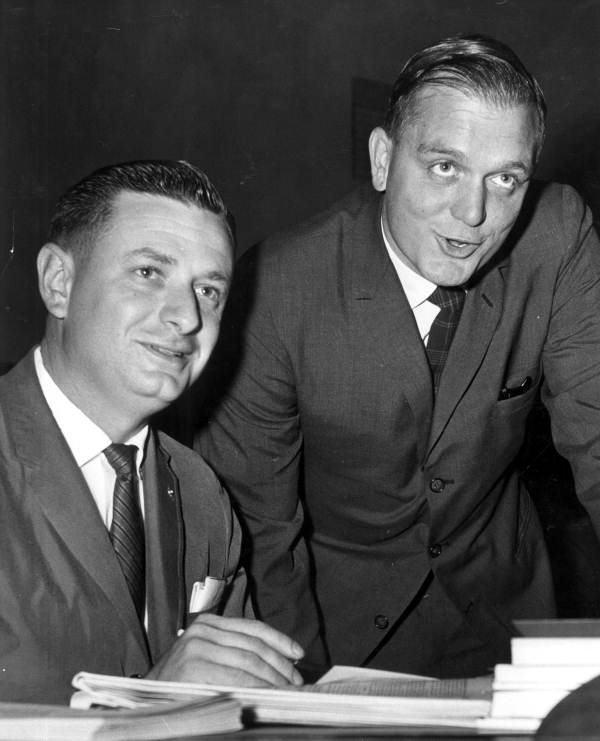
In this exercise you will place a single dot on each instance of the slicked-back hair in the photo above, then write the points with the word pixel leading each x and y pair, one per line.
pixel 475 65
pixel 84 209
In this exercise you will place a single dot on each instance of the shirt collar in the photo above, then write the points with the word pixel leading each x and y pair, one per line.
pixel 85 439
pixel 416 288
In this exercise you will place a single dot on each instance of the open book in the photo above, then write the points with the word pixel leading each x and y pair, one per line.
pixel 343 697
pixel 197 716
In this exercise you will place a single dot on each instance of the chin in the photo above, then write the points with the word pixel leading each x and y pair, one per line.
pixel 169 395
pixel 448 279
pixel 453 275
pixel 163 394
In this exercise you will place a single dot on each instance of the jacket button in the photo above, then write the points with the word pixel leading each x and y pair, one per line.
pixel 437 485
pixel 435 550
pixel 381 622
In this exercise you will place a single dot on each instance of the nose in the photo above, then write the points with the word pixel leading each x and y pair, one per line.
pixel 181 311
pixel 469 205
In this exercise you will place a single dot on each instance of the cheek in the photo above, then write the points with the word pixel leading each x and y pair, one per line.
pixel 411 216
pixel 88 328
pixel 132 316
pixel 208 335
pixel 503 212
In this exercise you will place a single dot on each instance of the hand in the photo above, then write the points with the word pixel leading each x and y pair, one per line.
pixel 231 651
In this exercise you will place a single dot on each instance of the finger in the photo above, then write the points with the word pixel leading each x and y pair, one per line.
pixel 239 665
pixel 272 637
pixel 213 673
pixel 261 659
pixel 188 661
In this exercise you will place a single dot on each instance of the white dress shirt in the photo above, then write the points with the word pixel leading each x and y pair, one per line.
pixel 87 441
pixel 417 290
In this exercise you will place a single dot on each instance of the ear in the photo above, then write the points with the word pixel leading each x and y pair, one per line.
pixel 380 152
pixel 56 272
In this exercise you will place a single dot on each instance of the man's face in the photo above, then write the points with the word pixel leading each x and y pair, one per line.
pixel 454 181
pixel 144 309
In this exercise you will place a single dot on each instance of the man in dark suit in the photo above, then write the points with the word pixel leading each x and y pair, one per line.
pixel 122 570
pixel 388 524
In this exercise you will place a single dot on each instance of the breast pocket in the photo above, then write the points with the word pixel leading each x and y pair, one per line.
pixel 517 394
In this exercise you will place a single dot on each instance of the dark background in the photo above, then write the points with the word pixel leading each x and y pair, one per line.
pixel 256 92
pixel 274 99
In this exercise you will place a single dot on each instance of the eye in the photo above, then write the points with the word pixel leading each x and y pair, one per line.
pixel 505 180
pixel 147 271
pixel 209 292
pixel 444 169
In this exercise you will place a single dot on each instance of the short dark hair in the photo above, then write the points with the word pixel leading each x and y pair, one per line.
pixel 474 64
pixel 83 210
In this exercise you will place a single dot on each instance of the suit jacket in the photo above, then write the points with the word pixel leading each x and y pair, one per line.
pixel 64 604
pixel 351 483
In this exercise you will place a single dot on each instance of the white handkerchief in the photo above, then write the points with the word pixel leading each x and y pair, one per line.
pixel 206 595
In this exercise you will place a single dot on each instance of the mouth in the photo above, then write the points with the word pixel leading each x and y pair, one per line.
pixel 167 353
pixel 459 248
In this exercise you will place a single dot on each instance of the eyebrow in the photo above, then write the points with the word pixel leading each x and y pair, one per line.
pixel 151 254
pixel 459 156
pixel 218 276
pixel 435 148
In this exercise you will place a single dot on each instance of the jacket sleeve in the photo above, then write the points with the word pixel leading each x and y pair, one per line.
pixel 254 442
pixel 571 356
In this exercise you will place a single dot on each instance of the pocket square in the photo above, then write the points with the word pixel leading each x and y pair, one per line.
pixel 510 393
pixel 206 595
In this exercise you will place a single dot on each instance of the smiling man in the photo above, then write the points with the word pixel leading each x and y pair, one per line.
pixel 119 548
pixel 392 350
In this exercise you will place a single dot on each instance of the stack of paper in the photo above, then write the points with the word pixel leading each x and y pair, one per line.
pixel 550 659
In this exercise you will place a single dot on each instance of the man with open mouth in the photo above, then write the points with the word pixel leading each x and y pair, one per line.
pixel 392 349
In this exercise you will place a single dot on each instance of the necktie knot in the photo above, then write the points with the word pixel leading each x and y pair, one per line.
pixel 448 298
pixel 450 301
pixel 122 459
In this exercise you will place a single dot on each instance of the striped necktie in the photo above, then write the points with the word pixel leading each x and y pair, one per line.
pixel 127 527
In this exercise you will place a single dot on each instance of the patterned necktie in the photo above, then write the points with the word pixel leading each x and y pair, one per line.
pixel 127 527
pixel 450 301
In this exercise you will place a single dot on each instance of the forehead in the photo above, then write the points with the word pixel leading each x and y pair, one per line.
pixel 442 118
pixel 139 219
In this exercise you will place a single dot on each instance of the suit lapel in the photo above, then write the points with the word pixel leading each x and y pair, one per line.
pixel 58 486
pixel 386 325
pixel 481 314
pixel 388 331
pixel 164 549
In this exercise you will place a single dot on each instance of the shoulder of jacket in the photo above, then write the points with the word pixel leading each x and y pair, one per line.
pixel 553 202
pixel 311 233
pixel 551 222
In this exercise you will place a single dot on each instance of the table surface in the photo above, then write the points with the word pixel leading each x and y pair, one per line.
pixel 366 733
